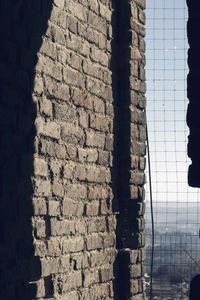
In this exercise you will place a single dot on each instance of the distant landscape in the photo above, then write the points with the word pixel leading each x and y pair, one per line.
pixel 176 251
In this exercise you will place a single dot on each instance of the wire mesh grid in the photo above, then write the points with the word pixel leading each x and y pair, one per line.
pixel 176 205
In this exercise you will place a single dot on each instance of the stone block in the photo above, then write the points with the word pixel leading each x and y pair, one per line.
pixel 46 107
pixel 40 166
pixel 53 247
pixel 134 289
pixel 82 99
pixel 49 266
pixel 73 77
pixel 39 207
pixel 71 208
pixel 87 155
pixel 83 119
pixel 109 240
pixel 98 122
pixel 58 189
pixel 72 134
pixel 61 228
pixel 80 261
pixel 90 277
pixel 40 228
pixel 64 113
pixel 92 209
pixel 95 139
pixel 106 274
pixel 75 191
pixel 72 245
pixel 94 242
pixel 53 208
pixel 77 10
pixel 42 187
pixel 71 152
pixel 135 271
pixel 97 192
pixel 104 158
pixel 50 129
pixel 40 248
pixel 52 149
pixel 64 264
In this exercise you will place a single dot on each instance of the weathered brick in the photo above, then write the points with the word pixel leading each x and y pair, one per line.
pixel 57 189
pixel 72 23
pixel 99 123
pixel 40 228
pixel 74 43
pixel 53 208
pixel 40 167
pixel 56 33
pixel 83 119
pixel 70 296
pixel 92 209
pixel 95 21
pixel 48 66
pixel 104 158
pixel 42 187
pixel 71 245
pixel 71 208
pixel 77 10
pixel 76 191
pixel 59 228
pixel 80 172
pixel 80 261
pixel 64 113
pixel 70 281
pixel 39 207
pixel 97 192
pixel 53 247
pixel 134 286
pixel 57 91
pixel 94 242
pixel 81 98
pixel 64 264
pixel 87 155
pixel 106 274
pixel 96 225
pixel 135 271
pixel 73 77
pixel 46 107
pixel 90 277
pixel 71 152
pixel 40 248
pixel 52 149
pixel 49 266
pixel 50 129
pixel 72 134
pixel 97 258
pixel 109 240
pixel 95 139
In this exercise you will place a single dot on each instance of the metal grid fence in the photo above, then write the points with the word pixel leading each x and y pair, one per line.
pixel 176 205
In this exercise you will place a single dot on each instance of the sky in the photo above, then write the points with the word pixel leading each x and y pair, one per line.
pixel 166 73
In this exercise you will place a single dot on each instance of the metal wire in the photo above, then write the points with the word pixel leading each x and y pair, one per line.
pixel 152 217
pixel 173 258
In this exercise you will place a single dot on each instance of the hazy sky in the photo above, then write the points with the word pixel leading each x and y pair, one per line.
pixel 166 72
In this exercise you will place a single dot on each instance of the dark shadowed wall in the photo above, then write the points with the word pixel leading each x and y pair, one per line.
pixel 72 138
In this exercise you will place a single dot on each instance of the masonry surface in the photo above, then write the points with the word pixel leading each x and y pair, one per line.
pixel 72 138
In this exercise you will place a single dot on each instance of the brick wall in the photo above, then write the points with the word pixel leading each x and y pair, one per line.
pixel 72 135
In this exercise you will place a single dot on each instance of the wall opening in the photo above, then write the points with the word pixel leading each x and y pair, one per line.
pixel 176 205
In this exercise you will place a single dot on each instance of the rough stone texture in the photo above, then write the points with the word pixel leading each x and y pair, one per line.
pixel 72 140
